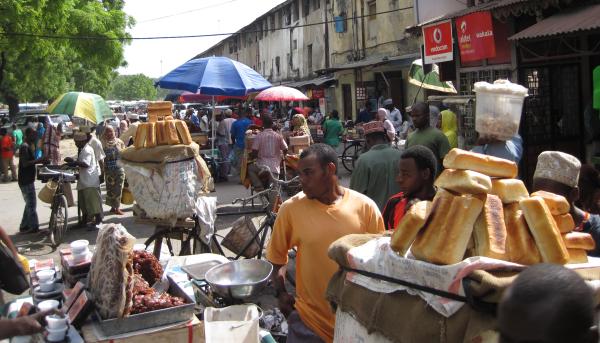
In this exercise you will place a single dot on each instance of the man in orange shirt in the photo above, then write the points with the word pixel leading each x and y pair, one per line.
pixel 311 221
pixel 8 152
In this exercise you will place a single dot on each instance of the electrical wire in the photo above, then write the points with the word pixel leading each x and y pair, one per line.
pixel 103 38
pixel 186 12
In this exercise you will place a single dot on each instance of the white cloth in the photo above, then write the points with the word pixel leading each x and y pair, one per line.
pixel 396 118
pixel 376 256
pixel 98 150
pixel 88 177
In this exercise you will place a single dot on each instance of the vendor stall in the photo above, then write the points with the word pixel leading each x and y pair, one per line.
pixel 442 272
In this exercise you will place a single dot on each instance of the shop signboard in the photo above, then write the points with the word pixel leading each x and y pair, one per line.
pixel 318 93
pixel 437 41
pixel 475 36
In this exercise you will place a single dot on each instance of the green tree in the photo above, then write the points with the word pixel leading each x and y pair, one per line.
pixel 48 47
pixel 132 87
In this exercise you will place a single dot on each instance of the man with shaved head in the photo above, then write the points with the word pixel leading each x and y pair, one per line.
pixel 426 135
pixel 547 303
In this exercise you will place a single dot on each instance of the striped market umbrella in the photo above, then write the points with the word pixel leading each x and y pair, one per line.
pixel 88 106
pixel 431 80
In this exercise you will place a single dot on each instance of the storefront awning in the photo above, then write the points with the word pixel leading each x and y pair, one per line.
pixel 492 5
pixel 404 60
pixel 319 81
pixel 581 19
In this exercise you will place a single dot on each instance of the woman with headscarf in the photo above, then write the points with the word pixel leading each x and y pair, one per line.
pixel 123 126
pixel 300 127
pixel 449 127
pixel 114 174
pixel 51 143
pixel 382 115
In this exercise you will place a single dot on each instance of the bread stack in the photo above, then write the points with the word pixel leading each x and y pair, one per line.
pixel 158 110
pixel 480 209
pixel 162 132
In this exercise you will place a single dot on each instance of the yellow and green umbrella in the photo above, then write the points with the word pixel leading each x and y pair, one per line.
pixel 88 106
pixel 431 80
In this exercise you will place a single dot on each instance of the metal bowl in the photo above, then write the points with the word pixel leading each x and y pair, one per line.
pixel 239 279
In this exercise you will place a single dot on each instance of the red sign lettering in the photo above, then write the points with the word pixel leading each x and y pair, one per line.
pixel 475 36
pixel 437 39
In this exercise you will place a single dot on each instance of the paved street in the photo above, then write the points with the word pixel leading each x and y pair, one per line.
pixel 35 246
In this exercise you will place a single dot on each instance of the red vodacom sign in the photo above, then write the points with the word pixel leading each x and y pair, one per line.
pixel 475 36
pixel 437 39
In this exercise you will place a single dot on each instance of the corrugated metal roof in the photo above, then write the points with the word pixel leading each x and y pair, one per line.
pixel 313 82
pixel 374 61
pixel 479 8
pixel 581 19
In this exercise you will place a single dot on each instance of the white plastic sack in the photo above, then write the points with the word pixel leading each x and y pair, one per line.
pixel 238 323
pixel 206 210
pixel 168 195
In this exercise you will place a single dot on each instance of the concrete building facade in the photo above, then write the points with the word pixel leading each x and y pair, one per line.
pixel 342 53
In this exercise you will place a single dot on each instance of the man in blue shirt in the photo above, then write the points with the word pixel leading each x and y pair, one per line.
pixel 511 149
pixel 238 136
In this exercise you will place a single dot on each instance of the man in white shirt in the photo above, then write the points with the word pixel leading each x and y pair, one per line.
pixel 132 129
pixel 98 153
pixel 395 116
pixel 88 185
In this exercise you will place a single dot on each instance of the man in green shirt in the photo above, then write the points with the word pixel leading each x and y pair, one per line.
pixel 426 135
pixel 332 129
pixel 375 172
pixel 18 136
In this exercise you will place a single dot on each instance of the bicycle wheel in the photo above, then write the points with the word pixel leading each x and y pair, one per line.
pixel 350 155
pixel 265 237
pixel 179 242
pixel 59 219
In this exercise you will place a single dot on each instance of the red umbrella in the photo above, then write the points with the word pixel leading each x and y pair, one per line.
pixel 281 93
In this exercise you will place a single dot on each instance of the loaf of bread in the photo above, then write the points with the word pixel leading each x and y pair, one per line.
pixel 169 118
pixel 448 229
pixel 161 133
pixel 544 230
pixel 150 135
pixel 171 132
pixel 152 117
pixel 464 181
pixel 409 226
pixel 488 165
pixel 520 245
pixel 564 222
pixel 489 233
pixel 509 190
pixel 577 256
pixel 184 133
pixel 556 203
pixel 579 240
pixel 140 136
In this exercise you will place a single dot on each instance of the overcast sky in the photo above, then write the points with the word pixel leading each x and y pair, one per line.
pixel 182 17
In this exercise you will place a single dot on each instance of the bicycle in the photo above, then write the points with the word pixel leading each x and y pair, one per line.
pixel 190 236
pixel 59 215
pixel 351 153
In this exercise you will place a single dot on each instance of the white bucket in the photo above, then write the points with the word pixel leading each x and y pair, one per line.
pixel 238 323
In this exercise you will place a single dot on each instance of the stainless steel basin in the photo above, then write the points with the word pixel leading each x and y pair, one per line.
pixel 239 279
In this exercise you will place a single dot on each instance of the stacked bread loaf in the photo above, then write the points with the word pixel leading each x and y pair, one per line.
pixel 162 132
pixel 480 209
pixel 158 110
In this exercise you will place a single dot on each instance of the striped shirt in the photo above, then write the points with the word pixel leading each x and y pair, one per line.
pixel 269 145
